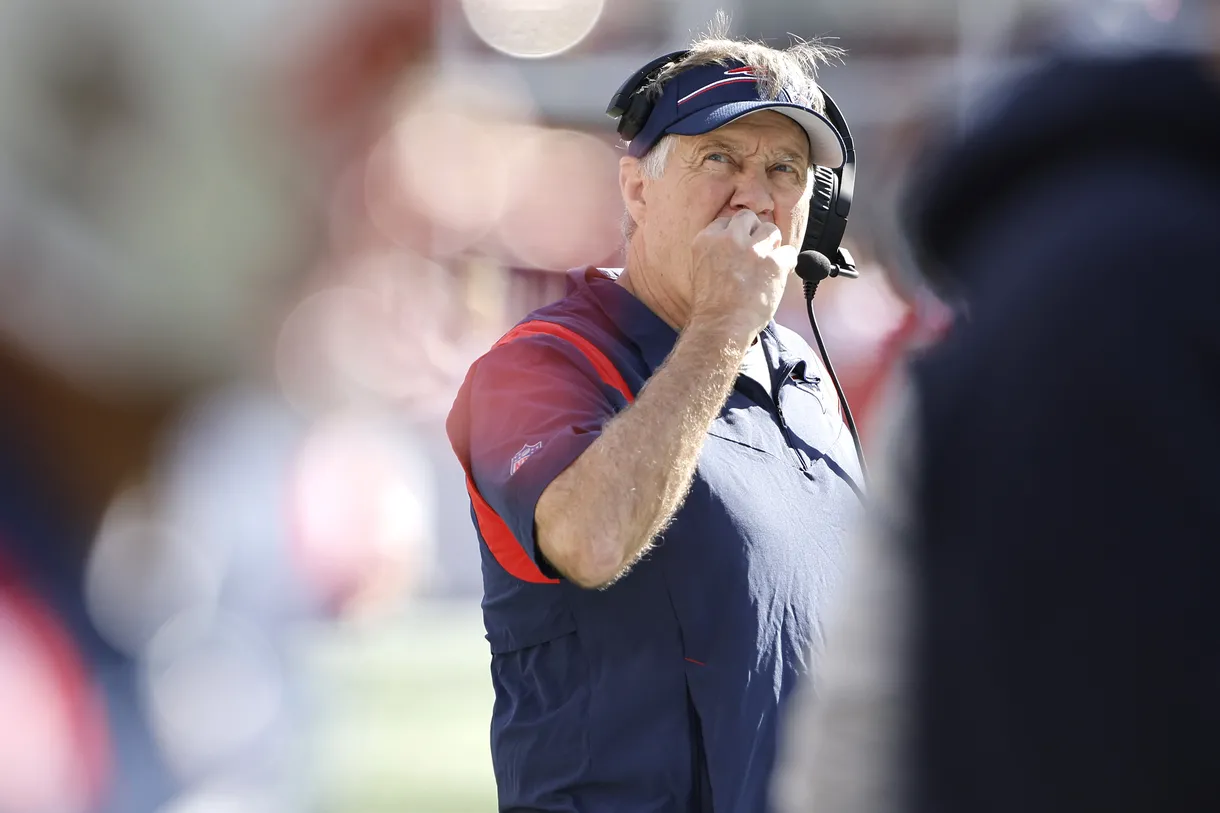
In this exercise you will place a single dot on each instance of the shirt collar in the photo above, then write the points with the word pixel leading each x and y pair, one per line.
pixel 651 335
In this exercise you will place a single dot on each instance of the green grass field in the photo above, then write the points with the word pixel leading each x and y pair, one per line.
pixel 404 716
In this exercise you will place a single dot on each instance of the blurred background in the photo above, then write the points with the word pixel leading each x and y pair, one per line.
pixel 248 250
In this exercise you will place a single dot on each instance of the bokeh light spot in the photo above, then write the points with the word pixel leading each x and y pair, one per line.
pixel 532 29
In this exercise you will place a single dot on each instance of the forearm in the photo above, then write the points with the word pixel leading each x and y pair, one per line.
pixel 604 510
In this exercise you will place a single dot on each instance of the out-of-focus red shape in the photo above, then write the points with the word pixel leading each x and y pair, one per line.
pixel 359 528
pixel 355 62
pixel 54 740
pixel 923 323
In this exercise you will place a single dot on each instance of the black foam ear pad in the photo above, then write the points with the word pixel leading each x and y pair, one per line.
pixel 635 117
pixel 629 105
pixel 821 204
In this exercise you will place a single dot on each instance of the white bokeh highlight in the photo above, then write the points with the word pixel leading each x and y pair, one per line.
pixel 532 29
pixel 214 687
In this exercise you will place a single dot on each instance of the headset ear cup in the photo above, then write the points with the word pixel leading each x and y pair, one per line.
pixel 631 106
pixel 821 202
pixel 635 117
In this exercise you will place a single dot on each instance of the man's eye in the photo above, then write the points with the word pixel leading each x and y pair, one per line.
pixel 719 157
pixel 785 167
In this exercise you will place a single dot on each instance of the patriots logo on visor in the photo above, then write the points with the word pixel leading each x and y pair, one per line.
pixel 520 457
pixel 741 74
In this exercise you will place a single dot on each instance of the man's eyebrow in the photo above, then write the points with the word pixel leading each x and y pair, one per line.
pixel 718 144
pixel 783 154
pixel 791 151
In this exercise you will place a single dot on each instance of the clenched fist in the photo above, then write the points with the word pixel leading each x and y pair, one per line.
pixel 739 269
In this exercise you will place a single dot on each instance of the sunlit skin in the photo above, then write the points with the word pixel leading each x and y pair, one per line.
pixel 759 163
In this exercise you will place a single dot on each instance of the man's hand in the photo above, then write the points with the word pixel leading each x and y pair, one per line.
pixel 602 513
pixel 739 270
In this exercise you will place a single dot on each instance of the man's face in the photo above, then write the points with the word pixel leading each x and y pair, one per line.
pixel 759 162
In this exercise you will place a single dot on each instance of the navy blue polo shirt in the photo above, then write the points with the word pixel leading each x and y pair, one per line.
pixel 662 692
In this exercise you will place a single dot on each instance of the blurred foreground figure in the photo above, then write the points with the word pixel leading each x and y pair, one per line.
pixel 1031 626
pixel 156 204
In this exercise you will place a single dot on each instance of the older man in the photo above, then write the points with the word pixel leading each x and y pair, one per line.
pixel 659 473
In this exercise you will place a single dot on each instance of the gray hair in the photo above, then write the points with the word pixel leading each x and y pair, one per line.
pixel 793 69
pixel 652 166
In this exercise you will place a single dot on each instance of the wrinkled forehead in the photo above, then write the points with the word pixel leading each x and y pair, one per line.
pixel 766 131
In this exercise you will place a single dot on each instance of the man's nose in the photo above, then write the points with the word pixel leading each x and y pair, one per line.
pixel 753 192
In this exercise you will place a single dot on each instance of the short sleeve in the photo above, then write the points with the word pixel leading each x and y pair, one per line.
pixel 536 403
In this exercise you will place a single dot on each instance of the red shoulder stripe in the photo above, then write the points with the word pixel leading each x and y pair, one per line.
pixel 605 368
pixel 499 539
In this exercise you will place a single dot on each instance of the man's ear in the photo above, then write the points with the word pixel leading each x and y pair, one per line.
pixel 631 183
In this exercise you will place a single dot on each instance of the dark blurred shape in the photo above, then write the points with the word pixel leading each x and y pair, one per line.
pixel 1026 624
pixel 1065 520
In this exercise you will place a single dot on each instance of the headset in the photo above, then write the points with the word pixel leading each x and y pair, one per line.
pixel 832 188
pixel 821 256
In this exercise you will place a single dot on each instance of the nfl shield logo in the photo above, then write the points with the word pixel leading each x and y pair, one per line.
pixel 522 456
